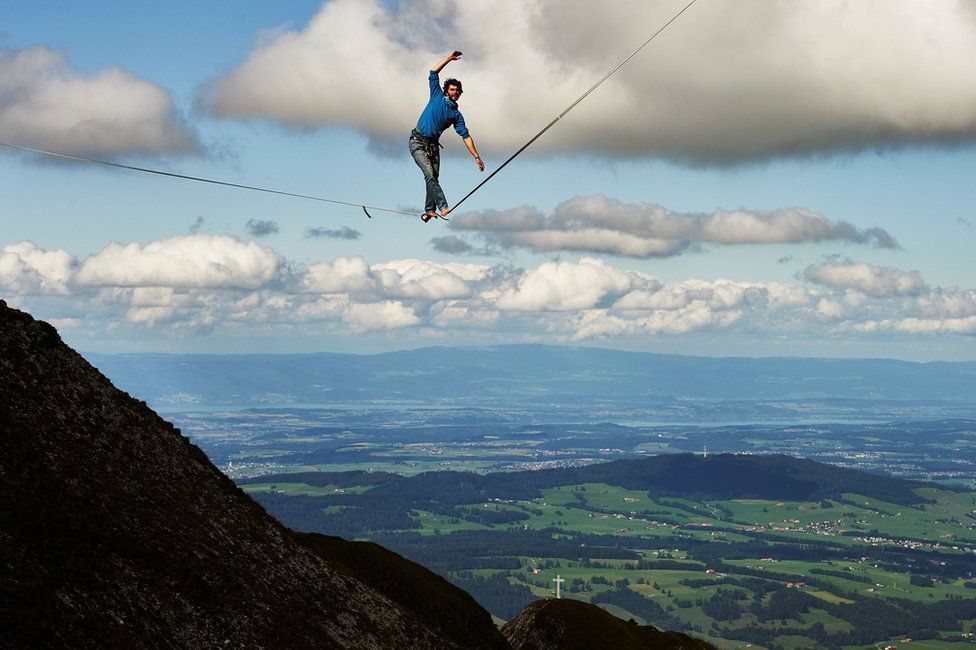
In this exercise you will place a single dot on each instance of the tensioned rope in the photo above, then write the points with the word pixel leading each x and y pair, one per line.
pixel 570 107
pixel 206 180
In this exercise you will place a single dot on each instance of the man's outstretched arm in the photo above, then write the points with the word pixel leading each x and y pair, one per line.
pixel 453 56
pixel 469 143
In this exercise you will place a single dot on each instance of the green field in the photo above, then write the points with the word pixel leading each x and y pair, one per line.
pixel 853 543
pixel 295 489
pixel 605 509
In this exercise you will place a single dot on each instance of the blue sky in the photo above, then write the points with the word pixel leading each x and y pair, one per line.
pixel 767 178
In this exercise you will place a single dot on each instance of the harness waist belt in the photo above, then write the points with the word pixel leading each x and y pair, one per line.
pixel 418 135
pixel 430 144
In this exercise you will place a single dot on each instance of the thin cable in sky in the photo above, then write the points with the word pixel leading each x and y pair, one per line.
pixel 205 180
pixel 571 106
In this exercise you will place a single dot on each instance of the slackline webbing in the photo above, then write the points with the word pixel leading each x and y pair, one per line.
pixel 206 180
pixel 570 107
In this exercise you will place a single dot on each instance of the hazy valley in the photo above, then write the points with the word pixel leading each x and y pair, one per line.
pixel 339 444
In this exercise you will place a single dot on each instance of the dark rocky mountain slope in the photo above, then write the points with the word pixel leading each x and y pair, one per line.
pixel 115 531
pixel 574 625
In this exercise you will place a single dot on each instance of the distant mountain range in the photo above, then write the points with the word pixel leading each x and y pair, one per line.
pixel 526 374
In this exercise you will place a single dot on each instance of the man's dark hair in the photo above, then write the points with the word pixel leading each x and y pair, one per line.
pixel 452 82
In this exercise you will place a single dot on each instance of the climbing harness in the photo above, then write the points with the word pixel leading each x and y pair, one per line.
pixel 570 107
pixel 207 180
pixel 348 203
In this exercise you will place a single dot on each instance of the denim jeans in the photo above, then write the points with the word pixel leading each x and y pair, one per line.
pixel 428 158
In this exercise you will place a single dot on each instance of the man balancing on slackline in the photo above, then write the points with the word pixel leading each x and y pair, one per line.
pixel 441 112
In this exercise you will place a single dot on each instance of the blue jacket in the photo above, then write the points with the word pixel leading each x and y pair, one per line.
pixel 440 113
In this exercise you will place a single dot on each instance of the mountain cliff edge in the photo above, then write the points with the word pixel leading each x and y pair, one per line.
pixel 116 531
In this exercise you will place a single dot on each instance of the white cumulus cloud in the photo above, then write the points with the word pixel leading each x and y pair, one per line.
pixel 602 224
pixel 407 278
pixel 27 269
pixel 425 280
pixel 46 103
pixel 566 286
pixel 830 308
pixel 456 313
pixel 947 303
pixel 342 275
pixel 730 81
pixel 697 315
pixel 373 316
pixel 877 281
pixel 188 261
pixel 937 326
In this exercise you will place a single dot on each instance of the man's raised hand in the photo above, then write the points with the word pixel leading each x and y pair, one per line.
pixel 453 56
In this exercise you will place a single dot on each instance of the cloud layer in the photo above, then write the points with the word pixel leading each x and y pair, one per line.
pixel 27 269
pixel 877 281
pixel 600 224
pixel 197 284
pixel 189 261
pixel 260 228
pixel 332 233
pixel 46 103
pixel 728 82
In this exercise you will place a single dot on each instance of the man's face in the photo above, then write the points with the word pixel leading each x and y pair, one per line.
pixel 453 92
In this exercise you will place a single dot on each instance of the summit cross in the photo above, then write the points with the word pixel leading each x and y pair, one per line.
pixel 558 582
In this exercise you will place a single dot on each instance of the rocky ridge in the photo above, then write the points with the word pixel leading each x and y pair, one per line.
pixel 573 625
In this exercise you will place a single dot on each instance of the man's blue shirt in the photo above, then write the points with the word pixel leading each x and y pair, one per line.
pixel 440 113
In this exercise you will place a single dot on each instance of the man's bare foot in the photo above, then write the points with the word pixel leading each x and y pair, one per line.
pixel 444 211
pixel 427 216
